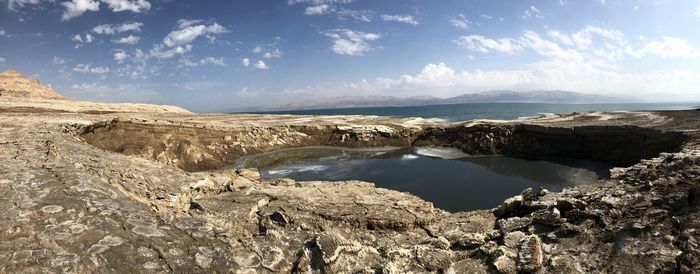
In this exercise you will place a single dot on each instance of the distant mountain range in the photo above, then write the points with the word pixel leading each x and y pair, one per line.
pixel 354 102
pixel 495 96
pixel 545 96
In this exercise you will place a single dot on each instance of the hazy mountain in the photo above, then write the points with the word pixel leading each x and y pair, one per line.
pixel 495 96
pixel 354 102
pixel 545 96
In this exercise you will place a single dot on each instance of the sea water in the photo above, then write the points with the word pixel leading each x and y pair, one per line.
pixel 460 112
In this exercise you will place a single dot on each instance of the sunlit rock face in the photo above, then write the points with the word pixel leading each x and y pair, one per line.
pixel 16 85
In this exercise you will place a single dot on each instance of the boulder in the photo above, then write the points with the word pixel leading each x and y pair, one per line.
pixel 530 254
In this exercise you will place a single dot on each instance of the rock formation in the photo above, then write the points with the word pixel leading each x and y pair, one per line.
pixel 17 85
pixel 139 189
pixel 20 94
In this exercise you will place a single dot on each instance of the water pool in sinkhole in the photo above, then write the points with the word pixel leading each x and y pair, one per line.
pixel 448 178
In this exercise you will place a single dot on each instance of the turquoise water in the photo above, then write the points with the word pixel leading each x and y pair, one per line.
pixel 458 112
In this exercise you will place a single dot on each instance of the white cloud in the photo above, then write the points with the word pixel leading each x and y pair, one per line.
pixel 75 8
pixel 586 60
pixel 532 12
pixel 246 92
pixel 134 64
pixel 85 86
pixel 139 56
pixel 483 44
pixel 161 52
pixel 318 2
pixel 184 62
pixel 275 53
pixel 408 19
pixel 261 65
pixel 136 6
pixel 179 41
pixel 589 43
pixel 358 15
pixel 460 22
pixel 114 29
pixel 87 69
pixel 183 23
pixel 697 11
pixel 3 33
pixel 120 56
pixel 103 29
pixel 109 93
pixel 188 34
pixel 58 60
pixel 84 39
pixel 129 40
pixel 588 77
pixel 2 60
pixel 348 42
pixel 560 37
pixel 269 50
pixel 212 61
pixel 548 48
pixel 670 47
pixel 318 9
pixel 15 5
pixel 245 62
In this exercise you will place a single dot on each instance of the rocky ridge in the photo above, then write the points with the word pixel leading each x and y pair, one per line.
pixel 15 84
pixel 140 191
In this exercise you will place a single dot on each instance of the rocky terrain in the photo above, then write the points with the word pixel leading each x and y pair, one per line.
pixel 144 189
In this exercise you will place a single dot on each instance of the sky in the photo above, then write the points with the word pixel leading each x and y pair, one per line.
pixel 208 55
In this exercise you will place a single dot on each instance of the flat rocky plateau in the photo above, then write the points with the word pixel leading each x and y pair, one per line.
pixel 98 188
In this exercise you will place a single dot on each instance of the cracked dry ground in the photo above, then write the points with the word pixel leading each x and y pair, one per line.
pixel 68 206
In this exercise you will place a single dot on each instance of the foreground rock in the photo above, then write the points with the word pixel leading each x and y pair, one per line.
pixel 134 191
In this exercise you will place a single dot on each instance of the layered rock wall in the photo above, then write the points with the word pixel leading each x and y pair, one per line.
pixel 620 145
pixel 201 147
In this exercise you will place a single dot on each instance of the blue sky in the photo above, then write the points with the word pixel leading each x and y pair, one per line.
pixel 209 55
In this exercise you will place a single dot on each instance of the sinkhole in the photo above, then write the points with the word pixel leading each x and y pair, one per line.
pixel 447 177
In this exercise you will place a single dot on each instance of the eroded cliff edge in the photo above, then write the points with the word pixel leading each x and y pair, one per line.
pixel 72 204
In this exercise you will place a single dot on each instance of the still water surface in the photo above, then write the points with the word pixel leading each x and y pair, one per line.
pixel 461 112
pixel 450 179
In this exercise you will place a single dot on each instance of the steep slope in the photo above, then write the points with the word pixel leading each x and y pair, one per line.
pixel 18 85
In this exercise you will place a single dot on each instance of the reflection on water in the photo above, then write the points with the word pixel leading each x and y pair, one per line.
pixel 447 177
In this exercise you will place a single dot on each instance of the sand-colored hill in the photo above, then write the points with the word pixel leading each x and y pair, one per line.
pixel 18 85
pixel 19 93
